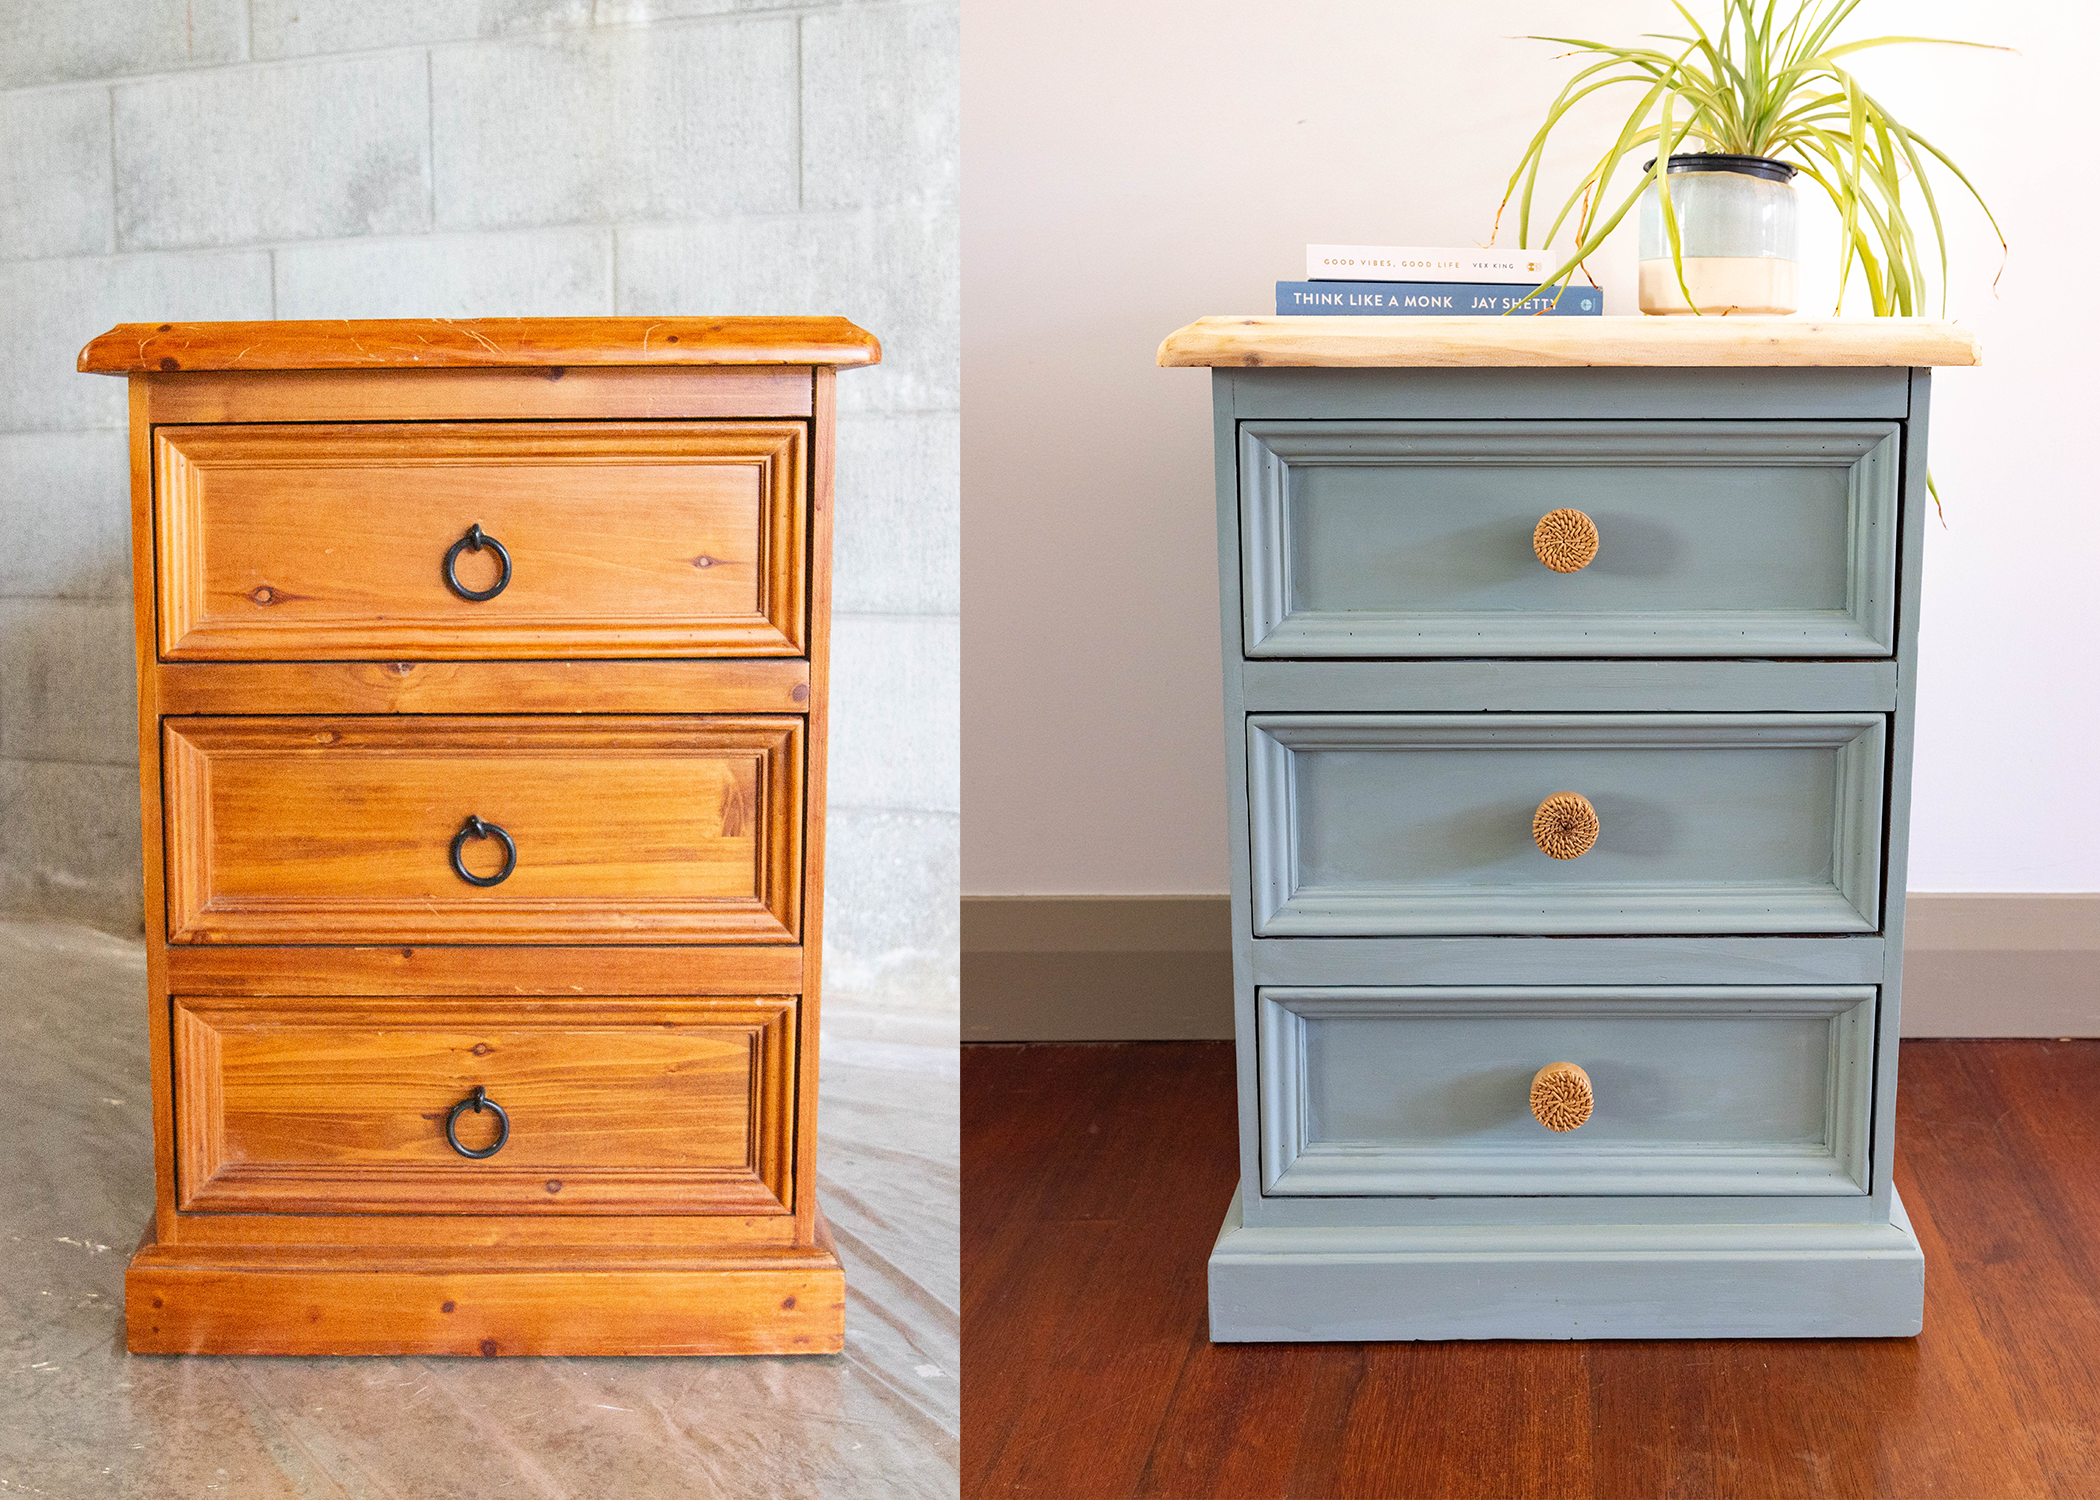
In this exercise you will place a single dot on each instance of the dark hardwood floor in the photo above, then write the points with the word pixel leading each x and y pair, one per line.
pixel 1094 1178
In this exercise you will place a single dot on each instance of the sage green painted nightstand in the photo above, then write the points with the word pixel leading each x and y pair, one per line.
pixel 1725 682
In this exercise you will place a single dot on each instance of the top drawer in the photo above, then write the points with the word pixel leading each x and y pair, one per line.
pixel 330 541
pixel 1714 539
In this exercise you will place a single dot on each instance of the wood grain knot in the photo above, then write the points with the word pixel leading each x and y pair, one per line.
pixel 1561 1097
pixel 1565 826
pixel 1565 540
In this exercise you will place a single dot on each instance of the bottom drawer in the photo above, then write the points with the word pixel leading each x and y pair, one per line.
pixel 612 1105
pixel 1698 1090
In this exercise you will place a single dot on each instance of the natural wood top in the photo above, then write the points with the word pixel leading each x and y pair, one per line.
pixel 1248 341
pixel 454 343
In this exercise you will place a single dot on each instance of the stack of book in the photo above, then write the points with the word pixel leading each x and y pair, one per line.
pixel 1413 281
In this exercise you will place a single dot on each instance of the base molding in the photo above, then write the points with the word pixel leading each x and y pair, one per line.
pixel 1678 1281
pixel 212 1299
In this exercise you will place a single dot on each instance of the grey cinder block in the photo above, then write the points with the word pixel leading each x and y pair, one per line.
pixel 65 513
pixel 897 524
pixel 300 150
pixel 896 724
pixel 896 271
pixel 634 12
pixel 48 42
pixel 303 28
pixel 72 845
pixel 55 173
pixel 52 307
pixel 881 105
pixel 543 274
pixel 68 682
pixel 622 123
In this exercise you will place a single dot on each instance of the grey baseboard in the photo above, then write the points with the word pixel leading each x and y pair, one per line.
pixel 1159 968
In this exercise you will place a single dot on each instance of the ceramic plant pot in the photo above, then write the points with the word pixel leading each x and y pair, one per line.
pixel 1736 222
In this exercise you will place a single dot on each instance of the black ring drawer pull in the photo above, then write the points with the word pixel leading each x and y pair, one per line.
pixel 478 1101
pixel 474 541
pixel 477 828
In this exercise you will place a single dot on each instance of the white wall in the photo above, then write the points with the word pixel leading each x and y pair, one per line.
pixel 461 158
pixel 1132 165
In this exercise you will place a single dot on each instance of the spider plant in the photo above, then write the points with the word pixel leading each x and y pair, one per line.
pixel 1757 85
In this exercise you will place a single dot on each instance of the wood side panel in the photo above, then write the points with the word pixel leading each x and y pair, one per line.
pixel 476 395
pixel 160 1049
pixel 179 1300
pixel 441 343
pixel 485 969
pixel 328 1106
pixel 289 541
pixel 626 830
pixel 821 492
pixel 777 686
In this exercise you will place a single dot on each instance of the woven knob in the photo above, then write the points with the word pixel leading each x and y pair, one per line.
pixel 1565 540
pixel 1565 826
pixel 1561 1097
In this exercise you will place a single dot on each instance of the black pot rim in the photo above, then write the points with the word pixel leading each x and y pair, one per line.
pixel 1721 161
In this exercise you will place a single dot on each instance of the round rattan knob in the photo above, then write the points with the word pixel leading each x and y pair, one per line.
pixel 1561 1097
pixel 1565 540
pixel 1565 825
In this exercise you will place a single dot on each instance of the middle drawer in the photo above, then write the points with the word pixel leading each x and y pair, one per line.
pixel 466 830
pixel 1373 825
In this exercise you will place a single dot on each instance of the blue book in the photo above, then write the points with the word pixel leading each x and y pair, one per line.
pixel 1445 299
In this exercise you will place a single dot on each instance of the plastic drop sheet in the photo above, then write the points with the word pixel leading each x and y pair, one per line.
pixel 79 1416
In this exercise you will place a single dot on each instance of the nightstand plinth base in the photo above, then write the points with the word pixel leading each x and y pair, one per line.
pixel 1674 1281
pixel 209 1300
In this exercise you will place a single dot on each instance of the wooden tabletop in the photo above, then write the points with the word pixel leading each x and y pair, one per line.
pixel 1390 342
pixel 450 343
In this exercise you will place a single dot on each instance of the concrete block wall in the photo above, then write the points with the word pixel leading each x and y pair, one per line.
pixel 177 159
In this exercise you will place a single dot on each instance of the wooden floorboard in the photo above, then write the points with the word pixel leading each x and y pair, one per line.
pixel 1094 1180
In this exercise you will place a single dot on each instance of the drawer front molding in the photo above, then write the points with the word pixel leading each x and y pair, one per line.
pixel 1701 1090
pixel 1413 539
pixel 615 1107
pixel 328 541
pixel 1712 823
pixel 628 830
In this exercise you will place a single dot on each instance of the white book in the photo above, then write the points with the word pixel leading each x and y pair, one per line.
pixel 1425 263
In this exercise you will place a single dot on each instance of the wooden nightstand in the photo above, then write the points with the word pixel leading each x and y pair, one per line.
pixel 482 701
pixel 1569 685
